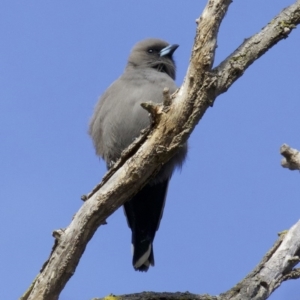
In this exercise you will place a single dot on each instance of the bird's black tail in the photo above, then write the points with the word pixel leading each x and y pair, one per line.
pixel 144 212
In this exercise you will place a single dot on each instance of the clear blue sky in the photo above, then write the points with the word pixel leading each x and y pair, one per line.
pixel 223 210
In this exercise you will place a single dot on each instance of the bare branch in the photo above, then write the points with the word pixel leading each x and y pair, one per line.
pixel 272 270
pixel 142 160
pixel 277 29
pixel 291 158
pixel 159 296
pixel 276 266
pixel 294 274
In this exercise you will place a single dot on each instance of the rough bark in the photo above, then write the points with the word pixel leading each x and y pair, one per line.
pixel 291 158
pixel 173 122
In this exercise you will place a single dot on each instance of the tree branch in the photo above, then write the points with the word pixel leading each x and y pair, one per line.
pixel 159 296
pixel 171 128
pixel 276 266
pixel 253 48
pixel 291 158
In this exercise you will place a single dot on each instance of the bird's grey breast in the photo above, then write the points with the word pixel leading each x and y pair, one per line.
pixel 119 117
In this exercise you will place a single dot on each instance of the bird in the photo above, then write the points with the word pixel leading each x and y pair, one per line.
pixel 117 121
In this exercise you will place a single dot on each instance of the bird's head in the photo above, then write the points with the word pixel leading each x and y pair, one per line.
pixel 154 53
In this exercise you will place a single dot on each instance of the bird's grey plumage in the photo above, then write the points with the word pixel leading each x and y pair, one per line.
pixel 118 119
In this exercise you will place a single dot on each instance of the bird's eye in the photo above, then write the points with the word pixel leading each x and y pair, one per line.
pixel 150 50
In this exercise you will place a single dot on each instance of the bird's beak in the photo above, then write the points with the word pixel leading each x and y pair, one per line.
pixel 168 51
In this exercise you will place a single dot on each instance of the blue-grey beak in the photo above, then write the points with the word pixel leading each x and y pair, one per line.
pixel 168 51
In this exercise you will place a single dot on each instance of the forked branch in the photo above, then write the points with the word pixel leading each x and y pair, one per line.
pixel 170 131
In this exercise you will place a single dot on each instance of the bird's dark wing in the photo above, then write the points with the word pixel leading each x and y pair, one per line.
pixel 144 212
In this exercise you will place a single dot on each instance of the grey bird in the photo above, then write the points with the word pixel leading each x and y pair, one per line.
pixel 119 118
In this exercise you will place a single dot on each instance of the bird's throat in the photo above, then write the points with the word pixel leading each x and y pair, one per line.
pixel 160 68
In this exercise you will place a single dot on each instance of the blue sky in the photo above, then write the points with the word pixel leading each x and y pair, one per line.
pixel 224 208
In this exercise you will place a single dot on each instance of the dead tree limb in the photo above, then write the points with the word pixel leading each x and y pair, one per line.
pixel 171 129
pixel 291 158
pixel 276 267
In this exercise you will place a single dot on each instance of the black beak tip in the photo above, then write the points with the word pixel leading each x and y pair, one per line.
pixel 175 46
